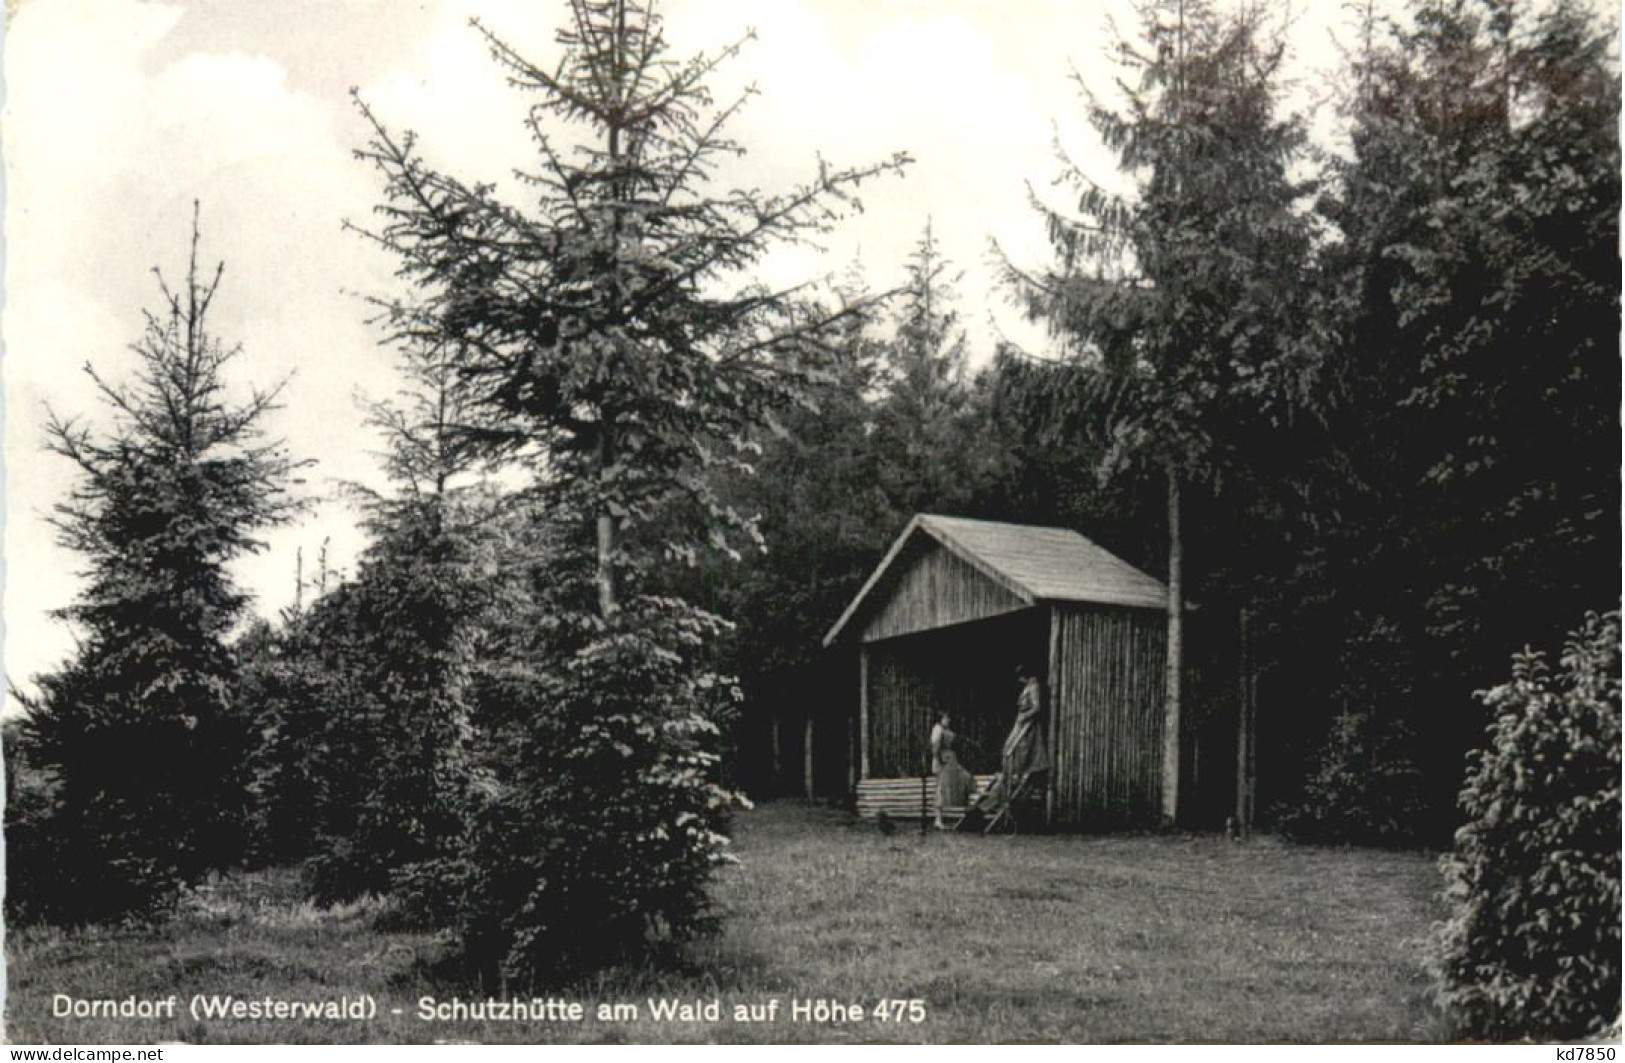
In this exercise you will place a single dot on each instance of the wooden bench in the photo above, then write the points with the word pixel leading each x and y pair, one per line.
pixel 900 798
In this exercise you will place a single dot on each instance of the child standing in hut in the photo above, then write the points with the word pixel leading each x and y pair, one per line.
pixel 954 783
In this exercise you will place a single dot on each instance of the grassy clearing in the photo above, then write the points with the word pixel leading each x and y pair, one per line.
pixel 1077 939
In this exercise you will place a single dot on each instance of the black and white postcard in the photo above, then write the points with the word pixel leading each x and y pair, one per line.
pixel 824 521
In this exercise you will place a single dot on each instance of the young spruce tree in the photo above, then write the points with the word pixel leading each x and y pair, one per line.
pixel 923 432
pixel 138 730
pixel 411 620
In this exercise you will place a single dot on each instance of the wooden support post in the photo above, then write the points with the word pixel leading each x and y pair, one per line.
pixel 863 712
pixel 852 755
pixel 807 758
pixel 1052 695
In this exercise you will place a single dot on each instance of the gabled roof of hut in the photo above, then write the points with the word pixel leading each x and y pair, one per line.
pixel 1036 564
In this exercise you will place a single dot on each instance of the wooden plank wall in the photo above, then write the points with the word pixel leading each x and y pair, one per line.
pixel 933 590
pixel 900 798
pixel 1106 697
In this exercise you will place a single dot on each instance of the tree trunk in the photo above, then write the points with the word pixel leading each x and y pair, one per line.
pixel 606 567
pixel 1176 610
pixel 776 747
pixel 809 784
pixel 606 534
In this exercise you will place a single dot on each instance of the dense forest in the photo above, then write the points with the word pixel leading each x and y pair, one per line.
pixel 1386 384
pixel 1360 404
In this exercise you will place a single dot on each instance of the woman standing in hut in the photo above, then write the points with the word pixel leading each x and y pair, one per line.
pixel 1023 754
pixel 954 783
pixel 1024 749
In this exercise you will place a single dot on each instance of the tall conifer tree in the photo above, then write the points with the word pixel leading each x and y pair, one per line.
pixel 611 336
pixel 1183 301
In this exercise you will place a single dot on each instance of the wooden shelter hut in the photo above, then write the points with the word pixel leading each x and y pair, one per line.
pixel 946 619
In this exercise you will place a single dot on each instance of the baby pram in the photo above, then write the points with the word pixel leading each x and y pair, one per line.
pixel 997 807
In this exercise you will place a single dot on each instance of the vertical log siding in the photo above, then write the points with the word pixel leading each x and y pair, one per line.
pixel 1107 698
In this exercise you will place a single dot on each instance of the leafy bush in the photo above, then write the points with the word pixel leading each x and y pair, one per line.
pixel 1532 948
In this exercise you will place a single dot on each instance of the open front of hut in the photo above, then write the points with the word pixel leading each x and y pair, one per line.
pixel 949 616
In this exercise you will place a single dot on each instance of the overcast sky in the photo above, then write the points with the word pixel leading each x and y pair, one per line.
pixel 119 113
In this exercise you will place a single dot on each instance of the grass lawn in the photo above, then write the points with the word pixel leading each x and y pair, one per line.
pixel 1108 938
